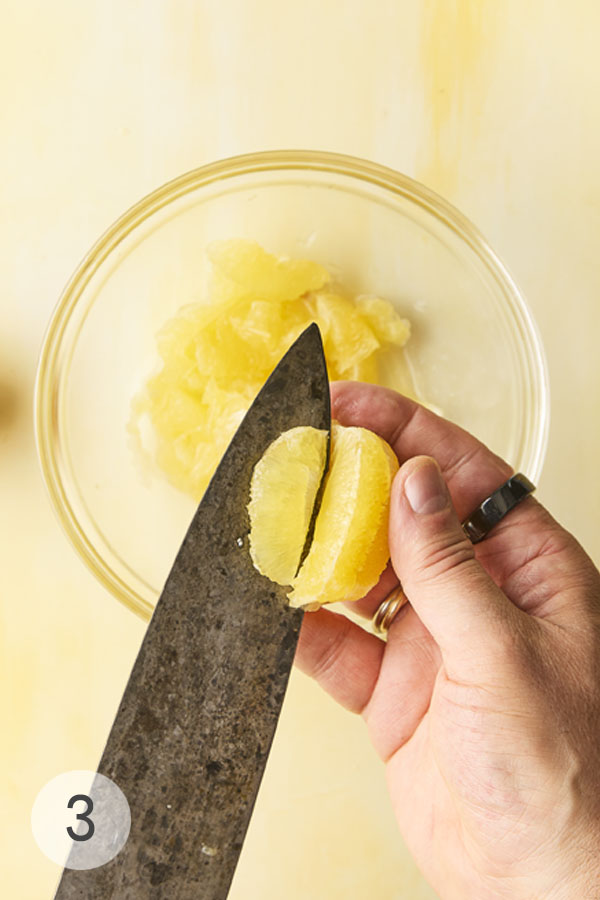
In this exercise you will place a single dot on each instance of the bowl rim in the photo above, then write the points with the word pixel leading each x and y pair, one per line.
pixel 46 406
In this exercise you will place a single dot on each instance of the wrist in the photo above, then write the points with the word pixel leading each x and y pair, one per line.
pixel 564 876
pixel 578 879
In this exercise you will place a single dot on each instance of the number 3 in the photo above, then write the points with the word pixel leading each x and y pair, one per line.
pixel 84 817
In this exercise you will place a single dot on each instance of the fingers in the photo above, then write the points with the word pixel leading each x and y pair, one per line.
pixel 459 613
pixel 403 690
pixel 470 469
pixel 463 609
pixel 542 568
pixel 341 656
pixel 390 684
pixel 536 563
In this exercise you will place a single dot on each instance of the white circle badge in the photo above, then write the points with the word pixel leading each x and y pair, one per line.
pixel 80 819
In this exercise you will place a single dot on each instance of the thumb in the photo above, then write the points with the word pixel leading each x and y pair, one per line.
pixel 464 610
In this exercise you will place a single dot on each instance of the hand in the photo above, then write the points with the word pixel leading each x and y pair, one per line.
pixel 485 701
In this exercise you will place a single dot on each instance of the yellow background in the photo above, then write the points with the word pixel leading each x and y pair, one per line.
pixel 492 103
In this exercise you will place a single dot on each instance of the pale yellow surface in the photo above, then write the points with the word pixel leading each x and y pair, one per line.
pixel 492 104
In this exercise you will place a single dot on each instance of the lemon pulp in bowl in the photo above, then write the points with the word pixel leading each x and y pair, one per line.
pixel 216 355
pixel 473 352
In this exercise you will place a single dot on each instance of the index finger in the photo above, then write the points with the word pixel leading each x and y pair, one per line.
pixel 471 470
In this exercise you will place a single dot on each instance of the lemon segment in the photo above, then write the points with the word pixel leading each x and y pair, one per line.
pixel 383 319
pixel 284 485
pixel 347 338
pixel 349 550
pixel 243 269
pixel 376 559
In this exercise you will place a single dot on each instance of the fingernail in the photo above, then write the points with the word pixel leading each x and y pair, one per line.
pixel 425 489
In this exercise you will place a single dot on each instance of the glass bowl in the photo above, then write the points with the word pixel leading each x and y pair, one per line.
pixel 475 352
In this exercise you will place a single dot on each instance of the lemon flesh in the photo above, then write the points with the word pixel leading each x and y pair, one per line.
pixel 284 486
pixel 349 548
pixel 216 355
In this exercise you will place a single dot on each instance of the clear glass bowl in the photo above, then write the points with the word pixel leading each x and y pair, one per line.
pixel 475 352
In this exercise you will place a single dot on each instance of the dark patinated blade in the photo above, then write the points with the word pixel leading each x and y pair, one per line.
pixel 192 735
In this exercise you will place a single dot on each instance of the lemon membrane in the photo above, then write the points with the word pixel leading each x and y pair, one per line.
pixel 216 355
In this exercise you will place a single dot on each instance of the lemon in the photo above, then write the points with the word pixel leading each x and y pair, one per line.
pixel 349 548
pixel 347 337
pixel 283 489
pixel 243 269
pixel 383 319
pixel 216 355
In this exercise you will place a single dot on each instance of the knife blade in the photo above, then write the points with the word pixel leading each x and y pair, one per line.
pixel 193 731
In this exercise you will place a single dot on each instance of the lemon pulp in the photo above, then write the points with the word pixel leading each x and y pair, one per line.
pixel 283 489
pixel 215 356
pixel 349 549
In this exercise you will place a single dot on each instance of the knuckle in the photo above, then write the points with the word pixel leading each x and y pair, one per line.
pixel 509 648
pixel 445 554
pixel 326 663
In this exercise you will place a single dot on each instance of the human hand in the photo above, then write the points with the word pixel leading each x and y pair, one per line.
pixel 485 701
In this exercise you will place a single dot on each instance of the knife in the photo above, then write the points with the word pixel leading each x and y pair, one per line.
pixel 193 731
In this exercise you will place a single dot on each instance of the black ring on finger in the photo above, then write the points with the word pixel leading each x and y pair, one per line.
pixel 493 509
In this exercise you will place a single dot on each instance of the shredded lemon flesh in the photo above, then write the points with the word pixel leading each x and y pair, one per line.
pixel 215 356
